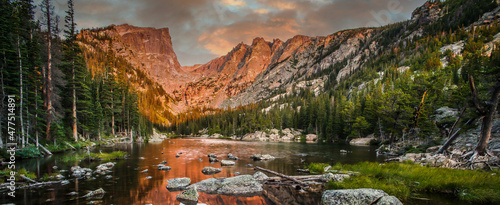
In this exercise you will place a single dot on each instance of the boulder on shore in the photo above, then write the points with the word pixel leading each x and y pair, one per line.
pixel 243 185
pixel 363 141
pixel 357 197
pixel 311 138
pixel 178 183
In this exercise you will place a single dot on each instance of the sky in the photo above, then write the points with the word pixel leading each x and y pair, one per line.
pixel 202 30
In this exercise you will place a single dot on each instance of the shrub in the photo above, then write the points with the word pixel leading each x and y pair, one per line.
pixel 317 167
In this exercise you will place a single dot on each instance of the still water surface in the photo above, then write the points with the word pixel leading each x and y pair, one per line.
pixel 129 185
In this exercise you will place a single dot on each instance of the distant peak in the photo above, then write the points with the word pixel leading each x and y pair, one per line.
pixel 258 40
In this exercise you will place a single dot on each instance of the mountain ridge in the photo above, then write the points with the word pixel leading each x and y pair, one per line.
pixel 250 73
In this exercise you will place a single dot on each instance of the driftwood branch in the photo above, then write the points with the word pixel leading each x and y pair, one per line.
pixel 281 175
pixel 305 177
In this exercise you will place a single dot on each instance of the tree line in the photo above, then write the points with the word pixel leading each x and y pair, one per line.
pixel 57 97
pixel 393 96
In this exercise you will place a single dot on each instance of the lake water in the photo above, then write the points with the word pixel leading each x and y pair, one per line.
pixel 129 185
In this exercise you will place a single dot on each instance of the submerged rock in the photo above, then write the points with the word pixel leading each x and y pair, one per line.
pixel 97 194
pixel 258 157
pixel 178 183
pixel 164 168
pixel 188 197
pixel 227 163
pixel 102 169
pixel 356 197
pixel 212 159
pixel 212 156
pixel 72 193
pixel 231 157
pixel 80 172
pixel 145 171
pixel 210 170
pixel 244 185
pixel 64 182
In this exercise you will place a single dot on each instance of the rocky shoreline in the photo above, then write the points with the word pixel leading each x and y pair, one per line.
pixel 270 135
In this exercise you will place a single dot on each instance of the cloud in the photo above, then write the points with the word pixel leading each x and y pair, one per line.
pixel 204 29
pixel 221 40
pixel 262 11
pixel 234 2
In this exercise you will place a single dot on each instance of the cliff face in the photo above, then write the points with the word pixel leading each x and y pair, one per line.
pixel 147 49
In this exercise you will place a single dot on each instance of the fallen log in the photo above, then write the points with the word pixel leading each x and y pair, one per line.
pixel 28 179
pixel 304 177
pixel 70 145
pixel 43 148
pixel 281 175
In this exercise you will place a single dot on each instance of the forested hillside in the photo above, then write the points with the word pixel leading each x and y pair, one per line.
pixel 53 92
pixel 446 55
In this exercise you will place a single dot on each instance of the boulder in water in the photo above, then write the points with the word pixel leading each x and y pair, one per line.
pixel 243 185
pixel 178 183
pixel 227 163
pixel 210 170
pixel 189 197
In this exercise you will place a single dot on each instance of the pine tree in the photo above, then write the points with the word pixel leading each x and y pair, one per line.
pixel 49 21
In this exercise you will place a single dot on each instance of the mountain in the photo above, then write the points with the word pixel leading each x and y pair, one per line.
pixel 251 73
pixel 141 57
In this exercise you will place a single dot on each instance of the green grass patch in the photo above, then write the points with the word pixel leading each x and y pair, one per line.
pixel 108 156
pixel 403 179
pixel 5 173
pixel 318 168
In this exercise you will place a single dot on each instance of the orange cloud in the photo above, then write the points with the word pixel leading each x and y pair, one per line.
pixel 234 2
pixel 261 11
pixel 220 41
pixel 279 4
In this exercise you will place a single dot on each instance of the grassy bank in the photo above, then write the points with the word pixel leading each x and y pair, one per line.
pixel 404 180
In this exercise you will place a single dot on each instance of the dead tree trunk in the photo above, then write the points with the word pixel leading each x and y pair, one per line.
pixel 488 120
pixel 452 137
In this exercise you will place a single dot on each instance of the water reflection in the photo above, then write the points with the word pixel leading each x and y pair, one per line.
pixel 128 185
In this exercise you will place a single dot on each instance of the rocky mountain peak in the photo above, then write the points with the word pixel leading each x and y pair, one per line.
pixel 427 13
